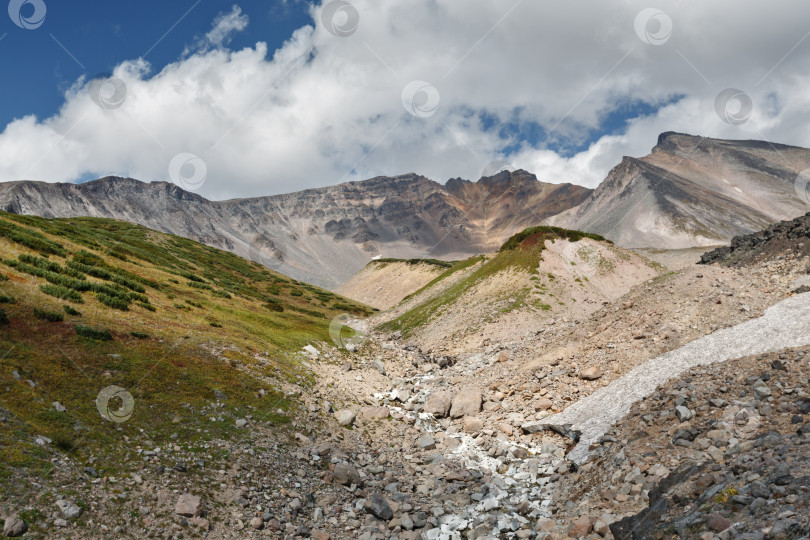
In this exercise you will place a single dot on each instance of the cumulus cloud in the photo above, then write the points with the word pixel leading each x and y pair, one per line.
pixel 338 101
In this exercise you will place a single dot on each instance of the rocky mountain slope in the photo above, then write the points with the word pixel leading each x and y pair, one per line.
pixel 322 236
pixel 394 436
pixel 132 365
pixel 783 239
pixel 693 191
pixel 538 275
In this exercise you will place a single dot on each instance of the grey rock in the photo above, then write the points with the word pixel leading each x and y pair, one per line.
pixel 188 505
pixel 438 404
pixel 345 417
pixel 683 413
pixel 14 526
pixel 346 475
pixel 380 507
pixel 69 509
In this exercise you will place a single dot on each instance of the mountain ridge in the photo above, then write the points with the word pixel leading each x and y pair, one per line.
pixel 320 235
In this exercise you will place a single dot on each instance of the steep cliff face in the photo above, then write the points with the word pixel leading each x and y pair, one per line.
pixel 693 191
pixel 324 235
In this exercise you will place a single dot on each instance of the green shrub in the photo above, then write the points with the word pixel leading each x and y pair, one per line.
pixel 192 277
pixel 115 302
pixel 195 304
pixel 70 311
pixel 139 335
pixel 296 292
pixel 274 305
pixel 93 333
pixel 215 324
pixel 221 294
pixel 30 239
pixel 197 285
pixel 64 441
pixel 146 306
pixel 3 277
pixel 50 316
pixel 3 317
pixel 63 293
pixel 6 299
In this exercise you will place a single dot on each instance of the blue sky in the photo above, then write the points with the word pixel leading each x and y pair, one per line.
pixel 307 94
pixel 100 35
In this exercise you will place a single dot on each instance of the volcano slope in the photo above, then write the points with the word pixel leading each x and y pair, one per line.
pixel 461 418
pixel 137 367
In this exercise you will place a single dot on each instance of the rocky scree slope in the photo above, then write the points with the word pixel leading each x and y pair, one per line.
pixel 693 191
pixel 325 235
pixel 778 240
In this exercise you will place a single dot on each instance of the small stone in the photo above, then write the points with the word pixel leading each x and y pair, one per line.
pixel 473 424
pixel 188 505
pixel 580 527
pixel 200 523
pixel 762 392
pixel 375 413
pixel 591 373
pixel 426 442
pixel 683 413
pixel 717 522
pixel 379 366
pixel 69 509
pixel 380 507
pixel 346 475
pixel 543 404
pixel 345 417
pixel 256 523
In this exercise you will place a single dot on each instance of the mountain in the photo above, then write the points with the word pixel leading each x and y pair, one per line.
pixel 325 235
pixel 693 191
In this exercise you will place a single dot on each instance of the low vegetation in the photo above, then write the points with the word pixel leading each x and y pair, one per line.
pixel 157 313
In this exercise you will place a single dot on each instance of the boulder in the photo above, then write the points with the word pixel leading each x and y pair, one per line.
pixel 466 403
pixel 438 404
pixel 346 475
pixel 14 526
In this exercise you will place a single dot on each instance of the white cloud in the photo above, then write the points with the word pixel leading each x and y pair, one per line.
pixel 222 30
pixel 324 108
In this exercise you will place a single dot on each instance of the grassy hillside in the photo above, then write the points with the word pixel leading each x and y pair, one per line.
pixel 522 252
pixel 184 328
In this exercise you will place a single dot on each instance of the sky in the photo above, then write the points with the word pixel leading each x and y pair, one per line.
pixel 263 97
